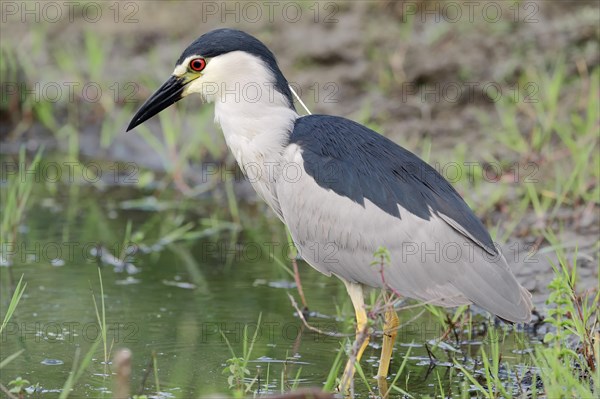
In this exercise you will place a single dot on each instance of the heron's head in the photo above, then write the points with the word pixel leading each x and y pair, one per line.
pixel 225 65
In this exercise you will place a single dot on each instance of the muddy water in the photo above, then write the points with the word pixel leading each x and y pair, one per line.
pixel 180 298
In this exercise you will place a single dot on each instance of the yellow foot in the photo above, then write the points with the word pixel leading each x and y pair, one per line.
pixel 390 330
pixel 358 347
pixel 362 336
pixel 382 385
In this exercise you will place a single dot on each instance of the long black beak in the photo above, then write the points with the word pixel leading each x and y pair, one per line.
pixel 169 93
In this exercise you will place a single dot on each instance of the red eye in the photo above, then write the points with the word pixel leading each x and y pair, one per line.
pixel 197 64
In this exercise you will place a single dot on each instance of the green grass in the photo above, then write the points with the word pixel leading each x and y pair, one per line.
pixel 16 196
pixel 101 314
pixel 565 371
pixel 78 369
pixel 12 306
pixel 14 301
pixel 560 152
pixel 20 386
pixel 237 366
pixel 565 366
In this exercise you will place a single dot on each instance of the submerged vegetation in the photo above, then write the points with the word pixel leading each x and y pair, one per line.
pixel 186 271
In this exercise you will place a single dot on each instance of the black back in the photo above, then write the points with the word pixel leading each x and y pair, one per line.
pixel 222 41
pixel 358 163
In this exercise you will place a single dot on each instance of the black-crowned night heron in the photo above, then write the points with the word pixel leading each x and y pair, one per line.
pixel 343 190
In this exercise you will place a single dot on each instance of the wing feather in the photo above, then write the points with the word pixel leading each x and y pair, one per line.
pixel 356 162
pixel 344 208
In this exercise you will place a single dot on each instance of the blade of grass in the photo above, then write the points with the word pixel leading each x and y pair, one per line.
pixel 77 370
pixel 10 358
pixel 330 382
pixel 14 301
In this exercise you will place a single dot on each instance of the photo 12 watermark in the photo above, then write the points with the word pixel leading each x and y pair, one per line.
pixel 454 92
pixel 252 12
pixel 69 332
pixel 69 92
pixel 124 256
pixel 69 172
pixel 51 12
pixel 60 253
pixel 453 12
pixel 334 172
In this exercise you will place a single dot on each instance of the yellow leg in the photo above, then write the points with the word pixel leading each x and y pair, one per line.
pixel 356 295
pixel 390 330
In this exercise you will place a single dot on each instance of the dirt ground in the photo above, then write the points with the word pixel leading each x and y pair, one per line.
pixel 392 65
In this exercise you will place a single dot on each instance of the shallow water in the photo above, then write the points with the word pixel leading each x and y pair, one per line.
pixel 180 299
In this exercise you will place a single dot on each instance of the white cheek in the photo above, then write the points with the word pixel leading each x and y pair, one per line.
pixel 207 90
pixel 180 70
pixel 209 83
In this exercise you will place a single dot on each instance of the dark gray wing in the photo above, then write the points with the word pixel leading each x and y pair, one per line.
pixel 358 163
